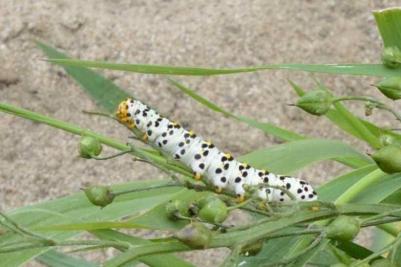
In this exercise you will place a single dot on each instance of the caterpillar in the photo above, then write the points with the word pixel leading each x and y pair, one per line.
pixel 206 160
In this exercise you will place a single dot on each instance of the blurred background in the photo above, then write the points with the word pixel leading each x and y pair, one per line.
pixel 38 163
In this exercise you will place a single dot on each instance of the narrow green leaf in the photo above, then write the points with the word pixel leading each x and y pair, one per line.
pixel 268 128
pixel 53 258
pixel 277 158
pixel 164 260
pixel 333 189
pixel 388 21
pixel 348 69
pixel 105 93
pixel 379 191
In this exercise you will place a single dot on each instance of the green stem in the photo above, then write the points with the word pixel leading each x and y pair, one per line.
pixel 169 184
pixel 359 186
pixel 71 128
pixel 379 105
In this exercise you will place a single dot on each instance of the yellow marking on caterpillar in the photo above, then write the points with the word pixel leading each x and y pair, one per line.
pixel 122 114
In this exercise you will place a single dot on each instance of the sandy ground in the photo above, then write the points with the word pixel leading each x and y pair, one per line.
pixel 38 163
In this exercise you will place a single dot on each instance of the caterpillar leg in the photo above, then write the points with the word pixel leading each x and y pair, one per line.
pixel 145 138
pixel 197 176
pixel 240 198
pixel 218 189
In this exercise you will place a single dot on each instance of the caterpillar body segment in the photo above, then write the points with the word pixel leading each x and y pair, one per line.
pixel 207 161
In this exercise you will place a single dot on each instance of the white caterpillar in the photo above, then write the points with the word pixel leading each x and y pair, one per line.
pixel 205 160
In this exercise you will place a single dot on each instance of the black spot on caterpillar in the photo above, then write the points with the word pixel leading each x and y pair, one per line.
pixel 206 160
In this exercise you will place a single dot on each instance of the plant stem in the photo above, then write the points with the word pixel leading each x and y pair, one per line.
pixel 378 104
pixel 71 128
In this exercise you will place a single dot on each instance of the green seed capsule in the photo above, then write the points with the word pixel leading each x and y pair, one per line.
pixel 99 195
pixel 391 57
pixel 382 263
pixel 177 207
pixel 390 87
pixel 213 211
pixel 316 102
pixel 388 158
pixel 343 228
pixel 195 235
pixel 89 146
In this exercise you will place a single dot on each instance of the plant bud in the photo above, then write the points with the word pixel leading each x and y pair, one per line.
pixel 195 235
pixel 386 140
pixel 343 228
pixel 99 195
pixel 213 211
pixel 252 249
pixel 177 207
pixel 388 158
pixel 89 146
pixel 391 57
pixel 390 87
pixel 369 108
pixel 316 102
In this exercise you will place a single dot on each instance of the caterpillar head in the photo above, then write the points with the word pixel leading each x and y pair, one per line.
pixel 123 114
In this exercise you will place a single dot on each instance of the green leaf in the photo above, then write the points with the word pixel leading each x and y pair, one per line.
pixel 105 93
pixel 76 208
pixel 53 258
pixel 164 260
pixel 388 22
pixel 375 193
pixel 333 189
pixel 348 69
pixel 286 158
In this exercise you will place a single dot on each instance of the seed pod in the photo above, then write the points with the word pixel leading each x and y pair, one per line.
pixel 99 195
pixel 316 102
pixel 343 228
pixel 391 57
pixel 213 210
pixel 390 87
pixel 388 158
pixel 177 207
pixel 195 235
pixel 89 146
pixel 382 263
pixel 252 249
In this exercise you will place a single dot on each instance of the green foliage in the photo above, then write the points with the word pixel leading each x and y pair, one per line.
pixel 296 234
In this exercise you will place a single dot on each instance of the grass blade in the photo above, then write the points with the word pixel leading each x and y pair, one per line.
pixel 53 258
pixel 348 69
pixel 105 93
pixel 388 23
pixel 266 127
